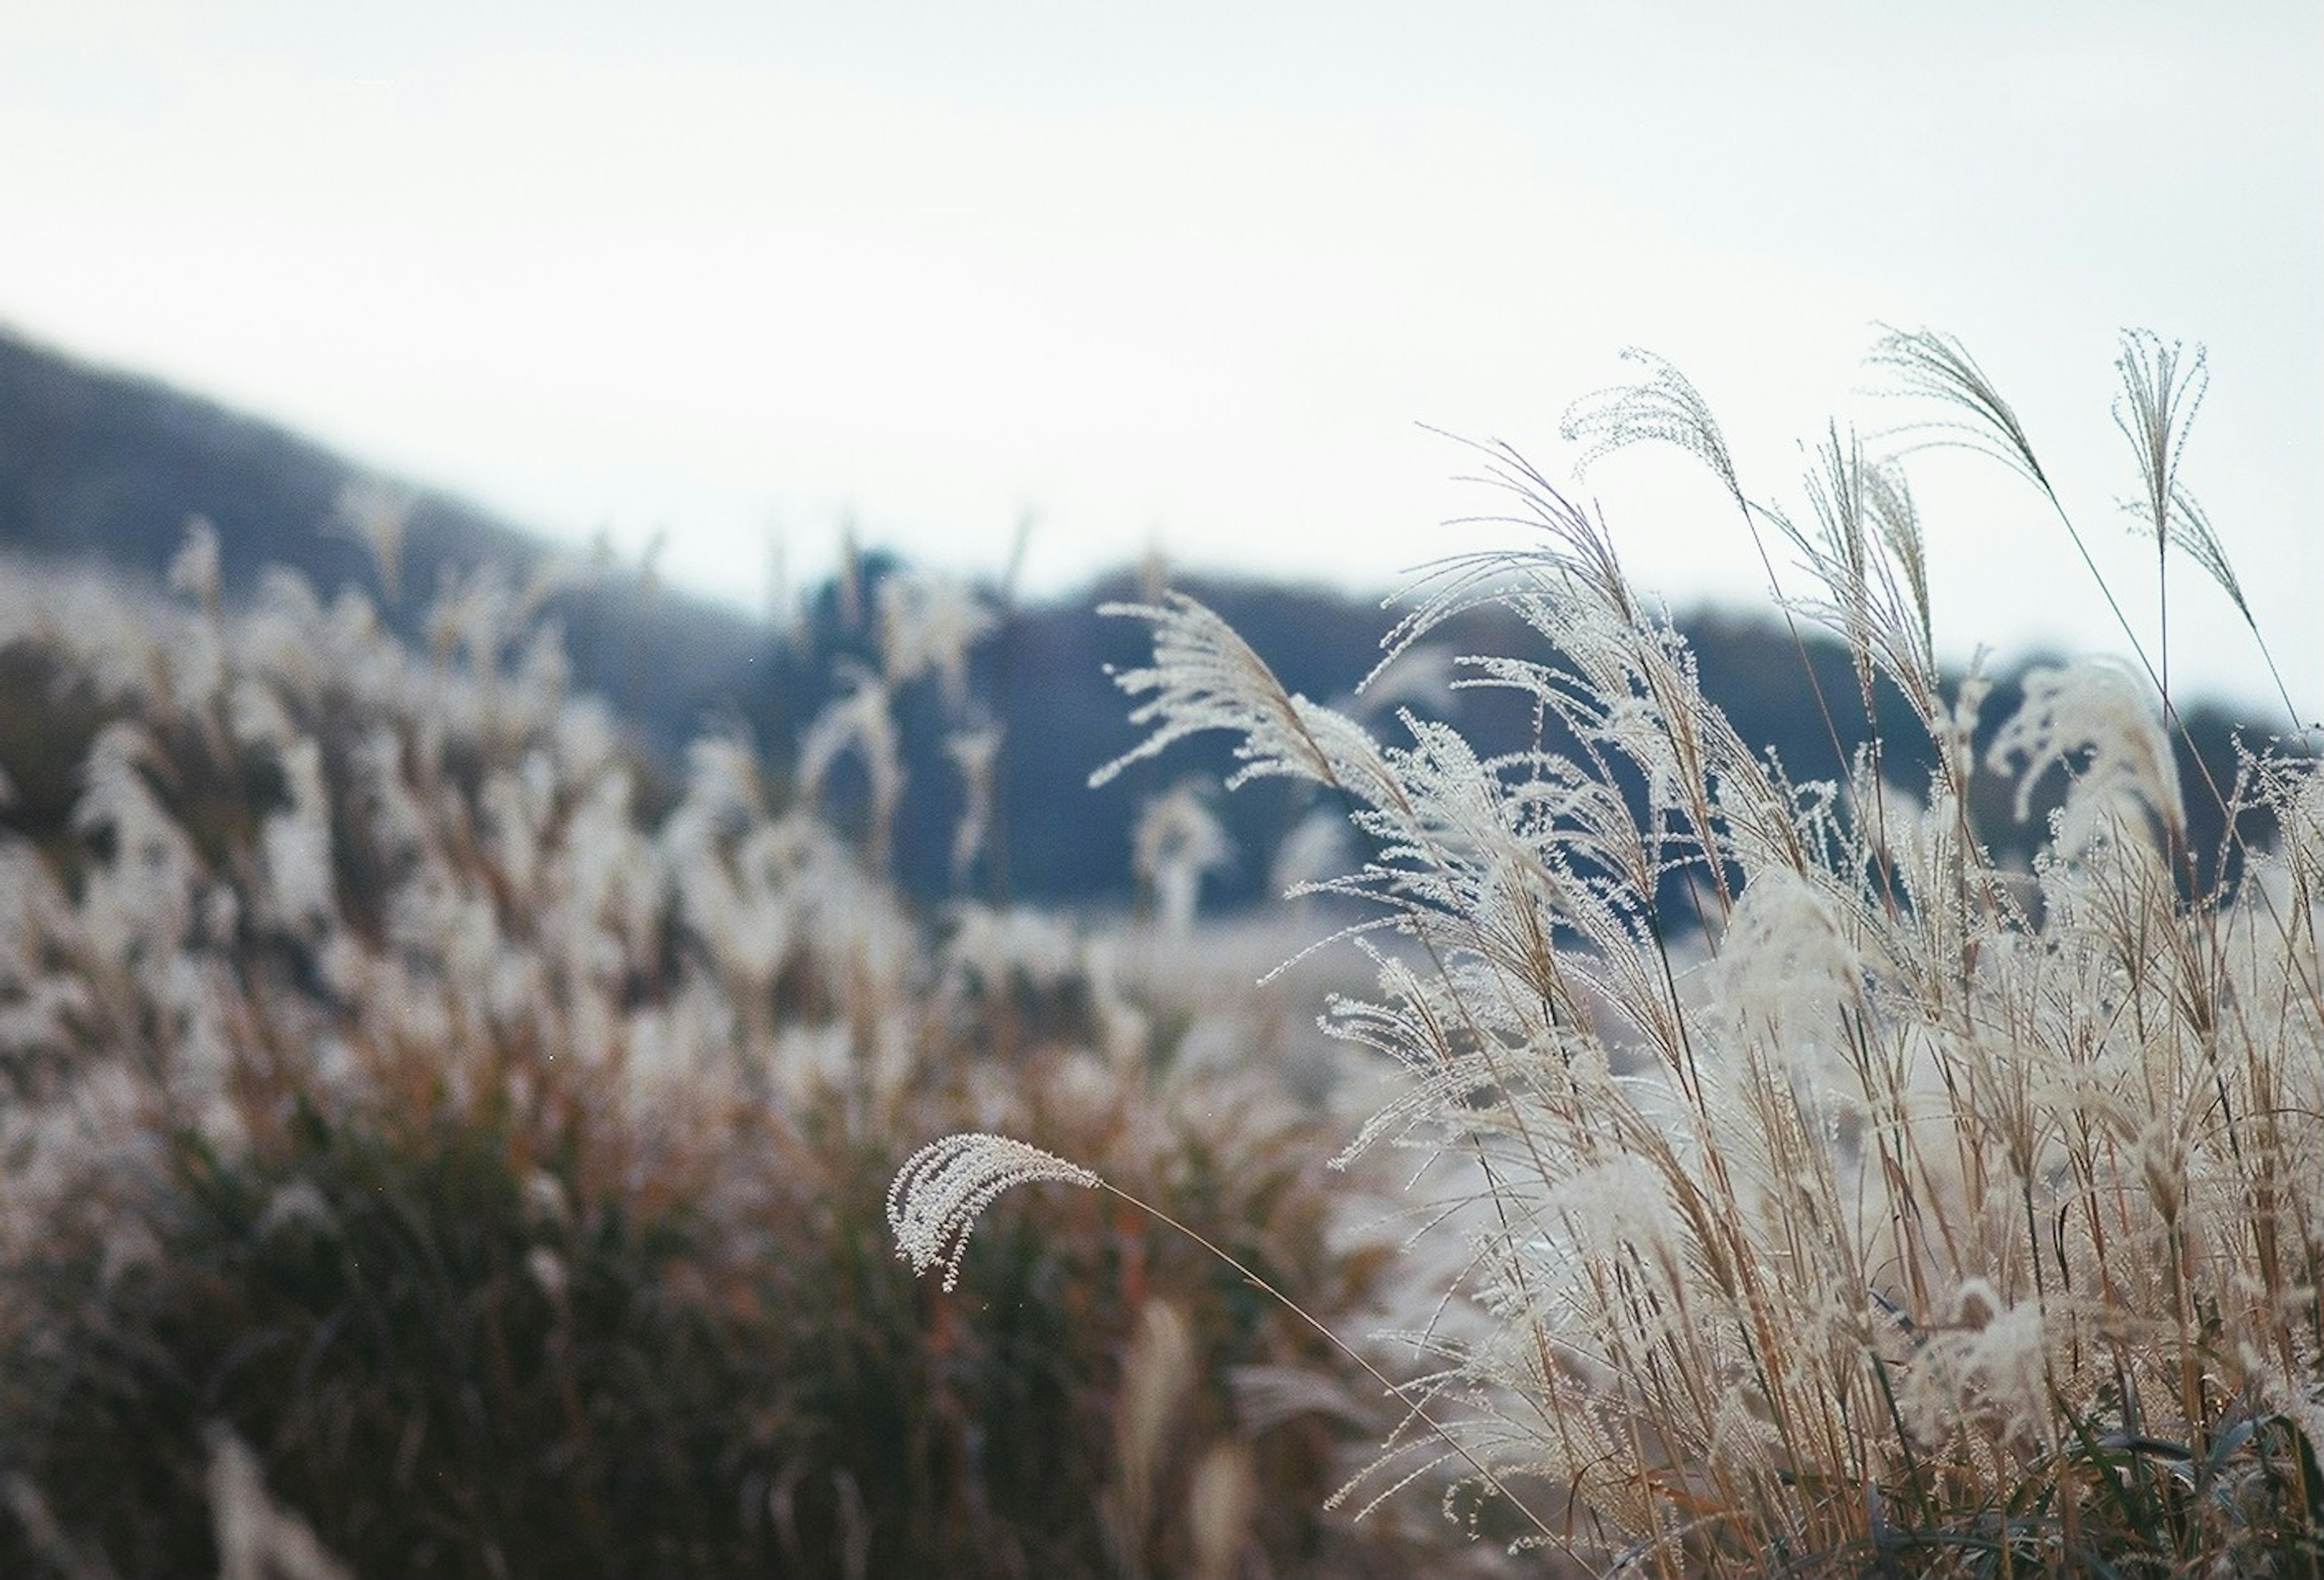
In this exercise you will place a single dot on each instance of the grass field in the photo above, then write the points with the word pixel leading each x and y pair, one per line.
pixel 438 1140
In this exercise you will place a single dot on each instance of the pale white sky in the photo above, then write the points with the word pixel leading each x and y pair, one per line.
pixel 1194 274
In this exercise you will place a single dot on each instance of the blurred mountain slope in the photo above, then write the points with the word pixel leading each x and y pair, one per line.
pixel 106 468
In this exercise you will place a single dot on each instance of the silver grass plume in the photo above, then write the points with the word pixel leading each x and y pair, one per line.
pixel 1177 841
pixel 1898 521
pixel 378 516
pixel 943 1188
pixel 256 1536
pixel 1938 367
pixel 2102 710
pixel 2162 389
pixel 929 624
pixel 1157 1377
pixel 976 751
pixel 1867 558
pixel 861 719
pixel 1663 405
pixel 1220 1501
pixel 195 569
pixel 1205 676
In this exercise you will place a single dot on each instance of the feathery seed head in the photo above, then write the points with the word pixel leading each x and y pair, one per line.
pixel 2102 709
pixel 943 1188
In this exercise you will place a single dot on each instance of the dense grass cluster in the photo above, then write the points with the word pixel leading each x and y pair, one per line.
pixel 432 1143
pixel 1826 1195
pixel 435 1141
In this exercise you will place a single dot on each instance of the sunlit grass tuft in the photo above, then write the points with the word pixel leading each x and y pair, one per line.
pixel 1827 1196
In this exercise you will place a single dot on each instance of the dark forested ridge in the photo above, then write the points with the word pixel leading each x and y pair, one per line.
pixel 108 468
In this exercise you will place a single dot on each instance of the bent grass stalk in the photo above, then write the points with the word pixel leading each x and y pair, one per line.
pixel 942 1189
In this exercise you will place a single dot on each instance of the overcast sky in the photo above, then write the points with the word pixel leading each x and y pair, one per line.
pixel 1196 275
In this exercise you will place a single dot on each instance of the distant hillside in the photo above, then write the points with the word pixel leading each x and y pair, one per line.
pixel 106 468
